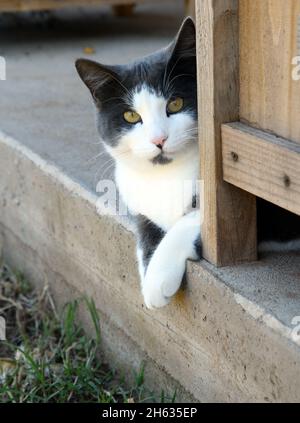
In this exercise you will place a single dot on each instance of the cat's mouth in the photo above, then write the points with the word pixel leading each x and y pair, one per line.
pixel 161 159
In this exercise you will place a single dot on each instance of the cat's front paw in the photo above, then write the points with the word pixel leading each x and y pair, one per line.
pixel 153 295
pixel 161 283
pixel 167 265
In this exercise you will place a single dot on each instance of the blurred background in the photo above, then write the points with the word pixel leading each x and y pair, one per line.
pixel 43 104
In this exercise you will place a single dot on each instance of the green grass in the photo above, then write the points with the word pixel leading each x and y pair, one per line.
pixel 48 356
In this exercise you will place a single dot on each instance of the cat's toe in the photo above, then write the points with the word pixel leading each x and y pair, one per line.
pixel 154 296
pixel 154 300
pixel 159 288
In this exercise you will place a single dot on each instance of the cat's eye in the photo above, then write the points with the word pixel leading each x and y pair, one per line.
pixel 132 117
pixel 175 105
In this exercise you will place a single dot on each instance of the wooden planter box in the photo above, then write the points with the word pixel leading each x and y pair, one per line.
pixel 249 106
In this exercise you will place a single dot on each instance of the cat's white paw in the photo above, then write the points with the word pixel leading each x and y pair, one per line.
pixel 162 282
pixel 153 295
pixel 167 265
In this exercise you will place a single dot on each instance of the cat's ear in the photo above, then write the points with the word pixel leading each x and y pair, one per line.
pixel 182 52
pixel 184 45
pixel 95 75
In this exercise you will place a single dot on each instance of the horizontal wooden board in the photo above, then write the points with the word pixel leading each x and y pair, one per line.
pixel 263 164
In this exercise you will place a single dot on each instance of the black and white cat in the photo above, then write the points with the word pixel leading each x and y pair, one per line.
pixel 147 119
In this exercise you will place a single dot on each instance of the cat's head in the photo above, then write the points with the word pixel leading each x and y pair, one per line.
pixel 147 110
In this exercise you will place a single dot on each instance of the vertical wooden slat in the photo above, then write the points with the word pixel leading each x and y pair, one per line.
pixel 229 227
pixel 269 38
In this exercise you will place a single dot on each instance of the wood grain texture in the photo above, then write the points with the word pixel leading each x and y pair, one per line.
pixel 26 5
pixel 269 40
pixel 229 227
pixel 262 164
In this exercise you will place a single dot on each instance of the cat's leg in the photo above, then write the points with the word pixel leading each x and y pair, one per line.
pixel 149 237
pixel 167 266
pixel 141 264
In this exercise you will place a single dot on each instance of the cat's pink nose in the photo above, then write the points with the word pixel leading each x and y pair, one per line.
pixel 159 141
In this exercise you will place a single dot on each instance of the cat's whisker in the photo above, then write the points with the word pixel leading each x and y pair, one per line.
pixel 102 153
pixel 178 76
pixel 173 68
pixel 96 157
pixel 113 98
pixel 106 170
pixel 113 140
pixel 111 163
pixel 119 82
pixel 187 136
pixel 195 128
pixel 129 99
pixel 96 179
pixel 111 160
pixel 96 143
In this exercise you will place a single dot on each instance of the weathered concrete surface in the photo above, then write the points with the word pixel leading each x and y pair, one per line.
pixel 213 341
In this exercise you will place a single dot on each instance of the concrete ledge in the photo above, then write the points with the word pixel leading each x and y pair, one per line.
pixel 228 335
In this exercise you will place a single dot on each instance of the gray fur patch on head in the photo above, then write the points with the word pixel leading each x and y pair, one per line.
pixel 168 72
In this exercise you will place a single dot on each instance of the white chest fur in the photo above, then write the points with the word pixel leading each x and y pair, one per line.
pixel 163 193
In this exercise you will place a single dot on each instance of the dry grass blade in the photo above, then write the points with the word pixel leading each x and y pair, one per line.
pixel 48 357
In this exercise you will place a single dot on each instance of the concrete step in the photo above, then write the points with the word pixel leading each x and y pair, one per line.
pixel 229 335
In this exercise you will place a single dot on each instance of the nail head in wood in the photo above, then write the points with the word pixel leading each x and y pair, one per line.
pixel 234 156
pixel 287 181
